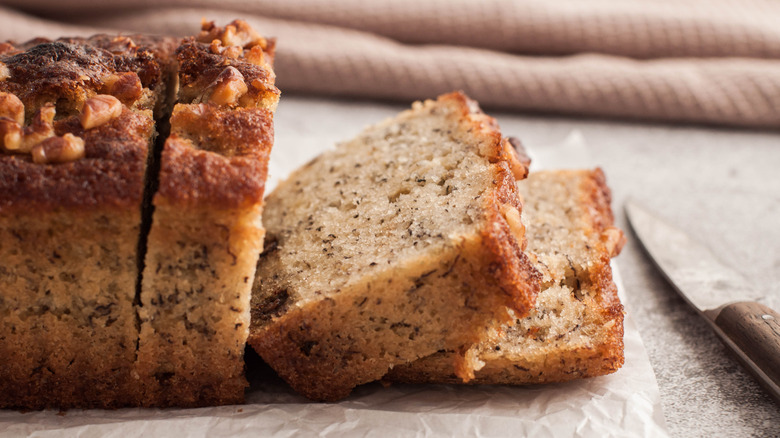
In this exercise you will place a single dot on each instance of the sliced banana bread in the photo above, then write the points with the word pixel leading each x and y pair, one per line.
pixel 401 242
pixel 206 232
pixel 74 145
pixel 575 329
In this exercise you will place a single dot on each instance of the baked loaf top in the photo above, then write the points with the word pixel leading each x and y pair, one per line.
pixel 230 66
pixel 45 87
pixel 68 71
pixel 110 174
pixel 222 125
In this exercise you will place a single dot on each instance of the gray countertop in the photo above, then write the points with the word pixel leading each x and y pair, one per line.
pixel 722 186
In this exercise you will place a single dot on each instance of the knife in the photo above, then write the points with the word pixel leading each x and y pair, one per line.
pixel 721 295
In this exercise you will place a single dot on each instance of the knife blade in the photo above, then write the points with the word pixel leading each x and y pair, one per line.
pixel 721 295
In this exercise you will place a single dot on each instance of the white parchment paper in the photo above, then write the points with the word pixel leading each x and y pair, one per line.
pixel 624 404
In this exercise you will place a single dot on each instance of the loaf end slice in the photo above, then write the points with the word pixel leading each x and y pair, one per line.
pixel 206 233
pixel 575 329
pixel 401 242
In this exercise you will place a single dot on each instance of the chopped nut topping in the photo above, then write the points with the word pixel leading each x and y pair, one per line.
pixel 121 44
pixel 6 48
pixel 512 216
pixel 4 72
pixel 233 52
pixel 260 85
pixel 216 47
pixel 11 107
pixel 10 134
pixel 228 87
pixel 237 33
pixel 126 87
pixel 98 110
pixel 59 150
pixel 256 56
pixel 40 128
pixel 614 239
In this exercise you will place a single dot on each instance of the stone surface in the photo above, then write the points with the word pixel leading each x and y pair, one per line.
pixel 721 186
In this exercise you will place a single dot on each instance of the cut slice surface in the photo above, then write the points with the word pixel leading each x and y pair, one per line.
pixel 376 247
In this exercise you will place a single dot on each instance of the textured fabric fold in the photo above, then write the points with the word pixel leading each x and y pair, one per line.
pixel 715 62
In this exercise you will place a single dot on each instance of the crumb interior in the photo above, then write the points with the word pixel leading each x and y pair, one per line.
pixel 558 229
pixel 395 191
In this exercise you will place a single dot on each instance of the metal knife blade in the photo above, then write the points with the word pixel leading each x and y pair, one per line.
pixel 701 279
pixel 720 294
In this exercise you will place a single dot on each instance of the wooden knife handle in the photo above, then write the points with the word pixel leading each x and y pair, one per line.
pixel 754 331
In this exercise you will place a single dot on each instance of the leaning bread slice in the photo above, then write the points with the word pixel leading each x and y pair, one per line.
pixel 575 329
pixel 402 242
pixel 206 233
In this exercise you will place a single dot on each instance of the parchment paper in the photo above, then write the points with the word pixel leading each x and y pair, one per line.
pixel 624 404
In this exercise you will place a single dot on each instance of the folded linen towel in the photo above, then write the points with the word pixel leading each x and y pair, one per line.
pixel 713 62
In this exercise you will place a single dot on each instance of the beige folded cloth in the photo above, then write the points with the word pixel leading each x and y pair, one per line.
pixel 701 61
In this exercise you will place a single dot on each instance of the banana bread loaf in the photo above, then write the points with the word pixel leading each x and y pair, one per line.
pixel 105 301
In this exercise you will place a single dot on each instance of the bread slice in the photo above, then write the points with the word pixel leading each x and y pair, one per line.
pixel 71 185
pixel 575 329
pixel 401 242
pixel 206 233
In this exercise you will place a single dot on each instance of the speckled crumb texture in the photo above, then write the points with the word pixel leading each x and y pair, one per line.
pixel 575 330
pixel 401 242
pixel 78 171
pixel 206 232
pixel 68 331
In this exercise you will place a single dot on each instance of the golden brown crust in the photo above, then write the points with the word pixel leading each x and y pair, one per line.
pixel 231 172
pixel 192 177
pixel 70 70
pixel 508 264
pixel 237 133
pixel 200 66
pixel 291 348
pixel 518 156
pixel 145 55
pixel 50 71
pixel 111 174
